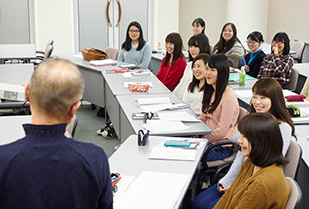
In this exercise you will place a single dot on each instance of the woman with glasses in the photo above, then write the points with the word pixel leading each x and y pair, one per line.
pixel 135 50
pixel 279 63
pixel 230 45
pixel 256 55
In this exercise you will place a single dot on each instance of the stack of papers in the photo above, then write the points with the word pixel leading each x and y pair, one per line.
pixel 152 190
pixel 103 62
pixel 160 107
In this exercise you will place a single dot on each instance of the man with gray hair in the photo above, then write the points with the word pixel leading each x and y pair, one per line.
pixel 45 169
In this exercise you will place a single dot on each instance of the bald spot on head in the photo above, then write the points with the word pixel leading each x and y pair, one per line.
pixel 55 86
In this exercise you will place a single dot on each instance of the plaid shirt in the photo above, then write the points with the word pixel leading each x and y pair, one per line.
pixel 278 67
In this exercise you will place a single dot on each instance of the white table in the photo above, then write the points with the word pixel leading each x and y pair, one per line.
pixel 11 128
pixel 18 74
pixel 131 160
pixel 17 51
pixel 130 126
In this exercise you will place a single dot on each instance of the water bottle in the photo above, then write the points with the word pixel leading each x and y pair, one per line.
pixel 242 76
pixel 160 49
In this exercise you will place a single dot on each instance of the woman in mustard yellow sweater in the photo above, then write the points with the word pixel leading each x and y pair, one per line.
pixel 260 182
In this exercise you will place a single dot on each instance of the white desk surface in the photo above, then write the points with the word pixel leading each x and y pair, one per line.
pixel 17 51
pixel 18 74
pixel 11 128
pixel 131 160
pixel 116 83
pixel 303 68
pixel 128 106
pixel 302 134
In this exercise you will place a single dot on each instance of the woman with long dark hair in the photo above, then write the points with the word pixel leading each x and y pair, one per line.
pixel 135 50
pixel 220 107
pixel 230 45
pixel 195 90
pixel 197 44
pixel 174 63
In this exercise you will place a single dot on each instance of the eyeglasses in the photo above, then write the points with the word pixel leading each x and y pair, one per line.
pixel 133 31
pixel 251 42
pixel 278 42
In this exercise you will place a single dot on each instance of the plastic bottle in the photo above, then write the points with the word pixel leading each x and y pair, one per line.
pixel 242 76
pixel 160 49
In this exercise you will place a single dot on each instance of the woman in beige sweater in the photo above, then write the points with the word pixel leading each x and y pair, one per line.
pixel 260 182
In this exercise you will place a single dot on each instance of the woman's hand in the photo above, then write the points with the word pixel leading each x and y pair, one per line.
pixel 275 49
pixel 247 68
pixel 222 189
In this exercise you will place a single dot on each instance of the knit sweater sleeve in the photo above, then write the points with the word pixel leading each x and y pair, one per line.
pixel 226 107
pixel 234 55
pixel 231 175
pixel 145 57
pixel 120 56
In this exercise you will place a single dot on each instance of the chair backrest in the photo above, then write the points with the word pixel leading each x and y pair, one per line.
pixel 212 49
pixel 242 113
pixel 112 53
pixel 294 154
pixel 293 80
pixel 71 127
pixel 295 194
pixel 298 47
pixel 48 51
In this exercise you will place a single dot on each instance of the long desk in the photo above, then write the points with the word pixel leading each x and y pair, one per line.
pixel 18 74
pixel 94 82
pixel 114 86
pixel 17 51
pixel 131 160
pixel 130 126
pixel 11 128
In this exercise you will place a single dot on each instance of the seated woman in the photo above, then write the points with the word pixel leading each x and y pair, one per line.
pixel 197 44
pixel 195 89
pixel 267 98
pixel 256 55
pixel 230 45
pixel 198 26
pixel 174 63
pixel 305 90
pixel 279 63
pixel 220 107
pixel 261 182
pixel 135 50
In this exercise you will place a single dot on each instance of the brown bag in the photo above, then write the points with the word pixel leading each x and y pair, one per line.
pixel 93 54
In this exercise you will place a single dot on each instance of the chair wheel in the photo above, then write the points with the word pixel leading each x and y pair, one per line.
pixel 93 106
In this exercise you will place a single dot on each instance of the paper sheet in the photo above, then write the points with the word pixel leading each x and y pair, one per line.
pixel 160 126
pixel 287 92
pixel 153 100
pixel 244 93
pixel 152 190
pixel 177 116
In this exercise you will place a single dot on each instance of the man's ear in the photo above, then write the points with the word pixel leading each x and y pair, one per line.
pixel 27 87
pixel 75 107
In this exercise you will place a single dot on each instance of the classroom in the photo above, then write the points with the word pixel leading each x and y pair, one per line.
pixel 132 108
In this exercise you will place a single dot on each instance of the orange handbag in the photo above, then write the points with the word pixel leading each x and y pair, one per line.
pixel 93 54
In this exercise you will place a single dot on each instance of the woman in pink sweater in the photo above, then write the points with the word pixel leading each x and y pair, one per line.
pixel 220 106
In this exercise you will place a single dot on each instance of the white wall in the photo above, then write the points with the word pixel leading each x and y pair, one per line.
pixel 165 20
pixel 288 16
pixel 213 13
pixel 248 16
pixel 54 21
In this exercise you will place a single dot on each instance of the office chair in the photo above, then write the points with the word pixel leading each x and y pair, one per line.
pixel 40 55
pixel 295 194
pixel 293 81
pixel 299 48
pixel 294 154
